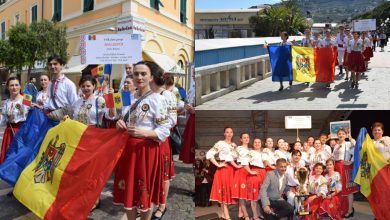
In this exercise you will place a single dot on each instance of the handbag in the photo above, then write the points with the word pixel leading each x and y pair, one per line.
pixel 175 140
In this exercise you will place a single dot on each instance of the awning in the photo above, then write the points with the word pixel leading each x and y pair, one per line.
pixel 165 62
pixel 74 65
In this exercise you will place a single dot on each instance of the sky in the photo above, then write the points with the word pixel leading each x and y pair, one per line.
pixel 230 4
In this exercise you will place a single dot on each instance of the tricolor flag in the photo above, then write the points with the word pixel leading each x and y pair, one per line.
pixel 92 37
pixel 117 100
pixel 70 170
pixel 27 99
pixel 372 172
pixel 102 69
pixel 302 64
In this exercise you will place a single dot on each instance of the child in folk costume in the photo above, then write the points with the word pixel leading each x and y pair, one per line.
pixel 355 59
pixel 367 48
pixel 240 190
pixel 139 180
pixel 284 37
pixel 343 156
pixel 331 205
pixel 13 115
pixel 257 163
pixel 221 190
pixel 318 189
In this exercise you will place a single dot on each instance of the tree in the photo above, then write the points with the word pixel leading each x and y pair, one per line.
pixel 28 45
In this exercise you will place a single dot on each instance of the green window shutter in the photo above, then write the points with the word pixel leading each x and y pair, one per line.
pixel 34 13
pixel 88 5
pixel 156 4
pixel 57 11
pixel 3 30
pixel 183 11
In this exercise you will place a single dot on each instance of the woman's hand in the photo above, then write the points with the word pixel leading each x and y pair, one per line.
pixel 136 132
pixel 254 173
pixel 347 162
pixel 222 164
pixel 311 198
pixel 121 125
pixel 111 90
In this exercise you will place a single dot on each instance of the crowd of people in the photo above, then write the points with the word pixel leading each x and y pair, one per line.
pixel 354 50
pixel 267 174
pixel 149 120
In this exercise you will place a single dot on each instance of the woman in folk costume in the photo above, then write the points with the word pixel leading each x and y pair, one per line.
pixel 319 156
pixel 318 189
pixel 14 113
pixel 331 205
pixel 269 154
pixel 355 59
pixel 367 48
pixel 114 114
pixel 221 190
pixel 166 149
pixel 43 94
pixel 348 37
pixel 282 151
pixel 139 179
pixel 89 109
pixel 240 190
pixel 257 163
pixel 343 155
pixel 382 143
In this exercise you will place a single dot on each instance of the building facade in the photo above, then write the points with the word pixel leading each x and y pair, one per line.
pixel 166 25
pixel 232 23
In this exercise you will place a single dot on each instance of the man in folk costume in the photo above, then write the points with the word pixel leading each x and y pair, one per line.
pixel 340 48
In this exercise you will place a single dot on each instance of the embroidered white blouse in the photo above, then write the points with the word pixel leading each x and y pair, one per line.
pixel 224 151
pixel 14 111
pixel 84 111
pixel 334 182
pixel 318 185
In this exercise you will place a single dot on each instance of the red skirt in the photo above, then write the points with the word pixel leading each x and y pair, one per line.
pixel 254 183
pixel 166 157
pixel 139 179
pixel 345 63
pixel 345 171
pixel 187 153
pixel 221 190
pixel 314 208
pixel 109 123
pixel 239 190
pixel 367 53
pixel 332 208
pixel 7 138
pixel 356 62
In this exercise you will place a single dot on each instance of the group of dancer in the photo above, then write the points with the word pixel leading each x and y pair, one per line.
pixel 146 167
pixel 245 173
pixel 354 50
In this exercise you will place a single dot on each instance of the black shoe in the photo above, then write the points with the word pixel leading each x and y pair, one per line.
pixel 346 78
pixel 352 84
pixel 154 217
pixel 356 85
pixel 328 85
pixel 290 83
pixel 281 88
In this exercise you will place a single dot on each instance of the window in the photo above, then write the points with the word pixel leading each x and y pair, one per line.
pixel 57 11
pixel 183 11
pixel 17 18
pixel 88 5
pixel 34 13
pixel 156 4
pixel 3 30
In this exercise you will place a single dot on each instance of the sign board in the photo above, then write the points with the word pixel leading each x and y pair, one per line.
pixel 364 25
pixel 131 25
pixel 110 49
pixel 336 125
pixel 297 122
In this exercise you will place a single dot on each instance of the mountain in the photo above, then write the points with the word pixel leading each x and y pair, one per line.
pixel 335 11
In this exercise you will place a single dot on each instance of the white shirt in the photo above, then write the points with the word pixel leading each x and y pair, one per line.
pixel 223 149
pixel 335 182
pixel 151 114
pixel 179 102
pixel 319 157
pixel 356 46
pixel 383 146
pixel 285 43
pixel 280 180
pixel 65 93
pixel 307 42
pixel 280 154
pixel 269 155
pixel 257 158
pixel 171 102
pixel 42 97
pixel 13 111
pixel 243 155
pixel 366 43
pixel 327 42
pixel 318 185
pixel 84 111
pixel 327 148
pixel 344 151
pixel 291 177
pixel 340 41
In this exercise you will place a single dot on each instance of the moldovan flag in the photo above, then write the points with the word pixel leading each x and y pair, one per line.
pixel 102 69
pixel 117 100
pixel 70 170
pixel 280 59
pixel 372 172
pixel 27 99
pixel 313 64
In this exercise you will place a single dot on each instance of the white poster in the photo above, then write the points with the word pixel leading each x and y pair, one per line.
pixel 335 126
pixel 297 122
pixel 131 25
pixel 110 49
pixel 364 25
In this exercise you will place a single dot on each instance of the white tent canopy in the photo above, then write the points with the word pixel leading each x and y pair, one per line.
pixel 165 62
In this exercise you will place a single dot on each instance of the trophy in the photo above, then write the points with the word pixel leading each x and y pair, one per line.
pixel 302 193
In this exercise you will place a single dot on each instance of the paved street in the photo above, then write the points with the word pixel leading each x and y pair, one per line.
pixel 180 205
pixel 373 93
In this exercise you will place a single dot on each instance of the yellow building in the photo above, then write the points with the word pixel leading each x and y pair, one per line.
pixel 166 25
